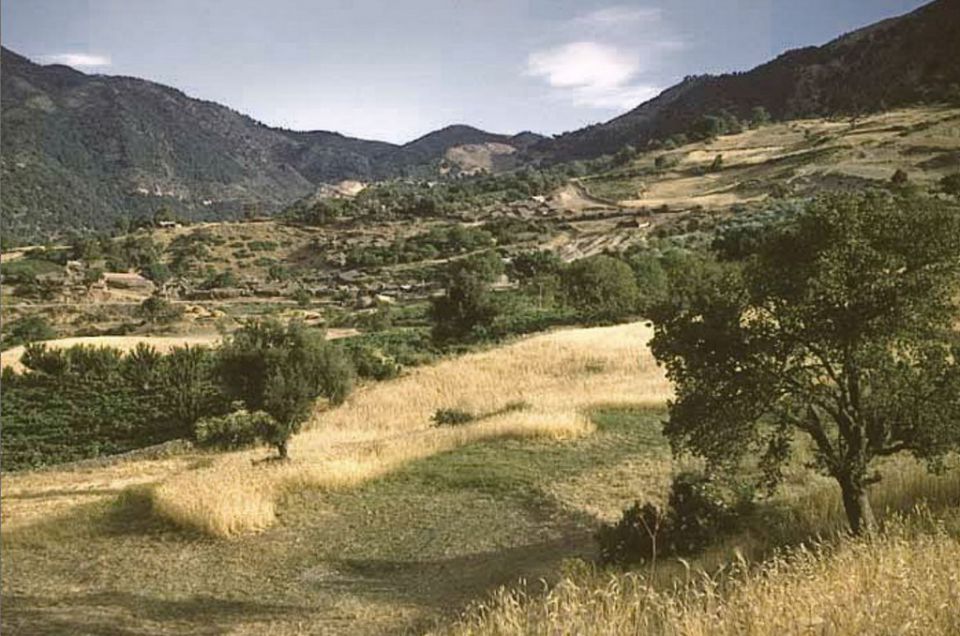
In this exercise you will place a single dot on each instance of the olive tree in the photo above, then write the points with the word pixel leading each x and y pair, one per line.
pixel 601 288
pixel 838 328
pixel 281 370
pixel 467 307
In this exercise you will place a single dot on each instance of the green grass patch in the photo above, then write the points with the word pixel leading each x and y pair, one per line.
pixel 394 554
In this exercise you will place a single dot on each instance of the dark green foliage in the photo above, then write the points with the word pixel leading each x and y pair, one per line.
pixel 538 274
pixel 467 309
pixel 234 431
pixel 422 199
pixel 27 329
pixel 281 370
pixel 759 117
pixel 601 288
pixel 436 243
pixel 221 280
pixel 698 511
pixel 507 230
pixel 187 379
pixel 639 535
pixel 159 310
pixel 452 417
pixel 521 318
pixel 950 184
pixel 528 267
pixel 837 327
pixel 651 279
pixel 371 362
pixel 624 156
pixel 85 402
pixel 407 346
pixel 26 271
pixel 156 272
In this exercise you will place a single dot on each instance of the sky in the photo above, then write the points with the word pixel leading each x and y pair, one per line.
pixel 397 69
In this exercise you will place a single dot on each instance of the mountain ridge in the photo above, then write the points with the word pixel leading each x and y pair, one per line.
pixel 83 150
pixel 894 62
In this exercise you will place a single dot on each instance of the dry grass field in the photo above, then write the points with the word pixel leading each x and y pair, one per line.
pixel 555 377
pixel 455 511
pixel 902 582
pixel 382 523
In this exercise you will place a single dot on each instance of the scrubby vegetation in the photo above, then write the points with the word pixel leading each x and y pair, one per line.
pixel 84 401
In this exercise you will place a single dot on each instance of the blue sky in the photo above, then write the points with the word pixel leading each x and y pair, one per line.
pixel 394 70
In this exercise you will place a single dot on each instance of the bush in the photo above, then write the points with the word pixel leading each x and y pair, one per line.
pixel 28 329
pixel 240 429
pixel 372 363
pixel 159 310
pixel 699 509
pixel 452 417
pixel 466 310
pixel 950 184
pixel 636 537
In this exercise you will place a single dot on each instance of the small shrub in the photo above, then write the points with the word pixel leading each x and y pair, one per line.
pixel 699 509
pixel 372 363
pixel 159 310
pixel 28 329
pixel 635 538
pixel 899 177
pixel 950 184
pixel 452 417
pixel 302 296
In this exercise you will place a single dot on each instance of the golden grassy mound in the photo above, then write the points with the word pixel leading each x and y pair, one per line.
pixel 556 376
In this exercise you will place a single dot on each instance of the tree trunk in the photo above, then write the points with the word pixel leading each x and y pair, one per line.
pixel 282 449
pixel 857 506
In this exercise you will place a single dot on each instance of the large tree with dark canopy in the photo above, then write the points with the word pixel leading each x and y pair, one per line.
pixel 840 327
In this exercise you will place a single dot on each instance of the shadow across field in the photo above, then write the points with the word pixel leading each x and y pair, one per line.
pixel 395 554
pixel 120 613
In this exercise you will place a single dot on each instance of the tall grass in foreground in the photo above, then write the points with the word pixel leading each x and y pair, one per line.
pixel 379 429
pixel 905 581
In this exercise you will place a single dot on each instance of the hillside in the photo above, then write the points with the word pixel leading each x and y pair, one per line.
pixel 82 151
pixel 382 523
pixel 900 61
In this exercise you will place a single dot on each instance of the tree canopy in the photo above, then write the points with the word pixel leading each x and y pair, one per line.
pixel 838 327
pixel 281 371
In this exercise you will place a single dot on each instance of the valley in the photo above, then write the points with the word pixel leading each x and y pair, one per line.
pixel 693 369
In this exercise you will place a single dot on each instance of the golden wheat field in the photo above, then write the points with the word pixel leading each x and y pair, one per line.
pixel 555 376
pixel 901 582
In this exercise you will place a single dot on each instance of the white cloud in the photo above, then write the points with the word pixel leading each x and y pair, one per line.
pixel 582 64
pixel 605 57
pixel 77 60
